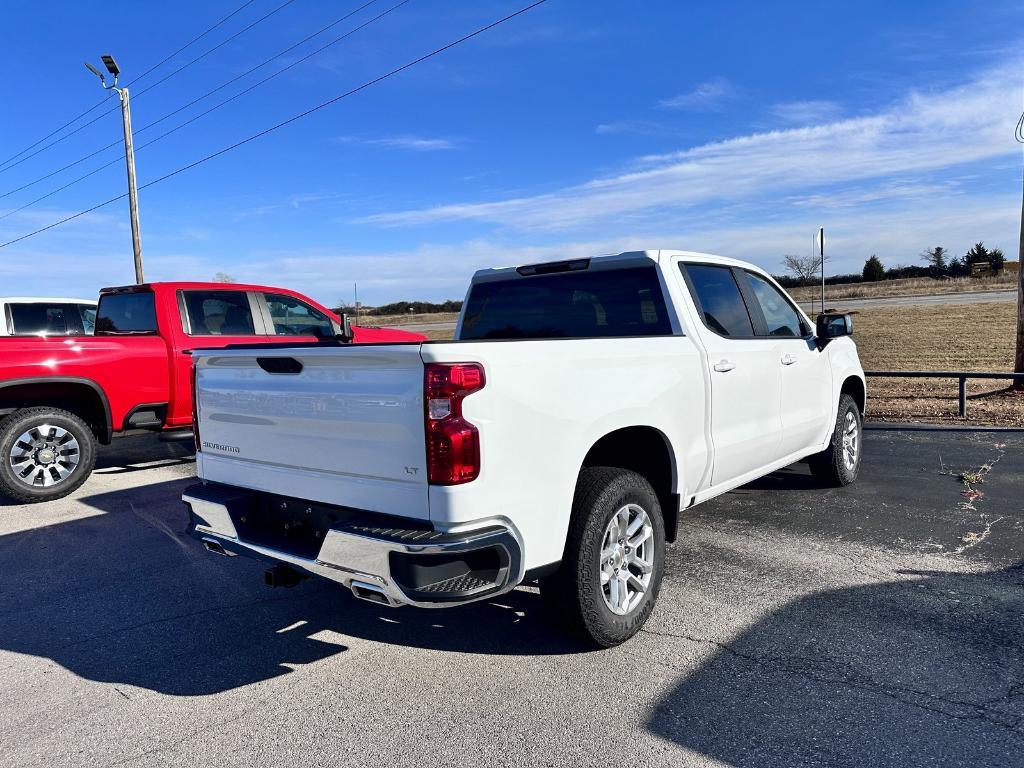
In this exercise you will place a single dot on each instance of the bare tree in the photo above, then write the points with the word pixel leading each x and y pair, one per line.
pixel 936 258
pixel 223 277
pixel 803 268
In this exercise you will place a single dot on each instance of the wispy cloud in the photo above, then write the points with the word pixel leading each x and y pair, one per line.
pixel 406 141
pixel 811 112
pixel 635 128
pixel 922 133
pixel 705 97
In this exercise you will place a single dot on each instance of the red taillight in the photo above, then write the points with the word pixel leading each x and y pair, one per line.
pixel 195 413
pixel 453 444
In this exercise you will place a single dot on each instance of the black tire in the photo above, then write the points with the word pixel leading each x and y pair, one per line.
pixel 20 422
pixel 574 593
pixel 831 466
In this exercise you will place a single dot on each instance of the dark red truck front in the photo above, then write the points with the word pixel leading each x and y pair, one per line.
pixel 62 395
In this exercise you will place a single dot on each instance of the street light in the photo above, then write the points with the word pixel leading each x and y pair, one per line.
pixel 129 154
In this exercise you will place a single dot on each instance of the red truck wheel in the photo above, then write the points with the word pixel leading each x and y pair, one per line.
pixel 45 454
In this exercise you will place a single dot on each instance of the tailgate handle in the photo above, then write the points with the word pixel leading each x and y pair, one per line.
pixel 279 364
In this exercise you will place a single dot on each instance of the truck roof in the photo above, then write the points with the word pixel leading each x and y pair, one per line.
pixel 610 261
pixel 43 299
pixel 186 285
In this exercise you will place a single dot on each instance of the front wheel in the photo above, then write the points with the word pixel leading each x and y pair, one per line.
pixel 839 464
pixel 45 454
pixel 610 575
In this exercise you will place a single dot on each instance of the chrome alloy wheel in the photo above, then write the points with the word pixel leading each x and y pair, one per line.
pixel 851 441
pixel 627 559
pixel 44 456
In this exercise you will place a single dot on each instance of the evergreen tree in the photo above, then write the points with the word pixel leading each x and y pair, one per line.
pixel 873 270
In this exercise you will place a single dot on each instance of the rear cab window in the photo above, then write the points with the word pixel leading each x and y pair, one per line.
pixel 132 313
pixel 568 304
pixel 218 313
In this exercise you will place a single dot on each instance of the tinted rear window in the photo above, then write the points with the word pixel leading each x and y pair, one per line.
pixel 126 313
pixel 51 318
pixel 719 299
pixel 617 302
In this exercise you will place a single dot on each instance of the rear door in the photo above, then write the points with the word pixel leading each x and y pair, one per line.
pixel 806 376
pixel 746 424
pixel 336 424
pixel 209 319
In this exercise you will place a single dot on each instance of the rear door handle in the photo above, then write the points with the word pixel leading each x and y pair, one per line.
pixel 788 359
pixel 724 366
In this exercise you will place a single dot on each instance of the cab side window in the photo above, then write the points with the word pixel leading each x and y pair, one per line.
pixel 219 313
pixel 719 300
pixel 779 315
pixel 296 318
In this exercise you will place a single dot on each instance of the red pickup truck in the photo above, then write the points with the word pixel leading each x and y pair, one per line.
pixel 61 395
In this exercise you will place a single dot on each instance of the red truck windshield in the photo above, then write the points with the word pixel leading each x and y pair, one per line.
pixel 126 313
pixel 605 303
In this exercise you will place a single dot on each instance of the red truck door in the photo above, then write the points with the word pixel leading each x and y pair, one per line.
pixel 208 318
pixel 216 317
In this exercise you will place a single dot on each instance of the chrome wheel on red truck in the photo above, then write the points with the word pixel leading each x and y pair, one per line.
pixel 46 453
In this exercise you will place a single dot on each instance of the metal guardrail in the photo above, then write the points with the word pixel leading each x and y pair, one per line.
pixel 960 376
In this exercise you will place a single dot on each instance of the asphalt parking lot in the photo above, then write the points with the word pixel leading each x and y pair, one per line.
pixel 878 625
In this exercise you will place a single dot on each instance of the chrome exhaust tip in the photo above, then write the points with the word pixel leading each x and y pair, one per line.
pixel 372 592
pixel 212 545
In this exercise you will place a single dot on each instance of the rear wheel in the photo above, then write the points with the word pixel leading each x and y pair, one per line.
pixel 45 454
pixel 610 575
pixel 839 464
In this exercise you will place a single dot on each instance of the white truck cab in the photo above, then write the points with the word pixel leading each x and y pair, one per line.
pixel 33 315
pixel 582 408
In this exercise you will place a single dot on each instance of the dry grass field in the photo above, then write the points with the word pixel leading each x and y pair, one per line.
pixel 924 286
pixel 978 337
pixel 401 321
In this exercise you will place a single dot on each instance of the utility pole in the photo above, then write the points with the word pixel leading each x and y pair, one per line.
pixel 820 242
pixel 1018 362
pixel 129 155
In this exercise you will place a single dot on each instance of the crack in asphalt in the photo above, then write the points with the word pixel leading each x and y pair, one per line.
pixel 785 664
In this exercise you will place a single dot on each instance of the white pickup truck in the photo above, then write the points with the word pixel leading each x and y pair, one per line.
pixel 584 406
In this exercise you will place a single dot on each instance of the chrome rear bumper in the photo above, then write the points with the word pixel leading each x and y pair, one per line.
pixel 396 566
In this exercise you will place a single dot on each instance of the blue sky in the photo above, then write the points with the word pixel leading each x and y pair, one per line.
pixel 576 129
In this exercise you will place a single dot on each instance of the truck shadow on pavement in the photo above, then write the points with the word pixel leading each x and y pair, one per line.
pixel 926 670
pixel 124 595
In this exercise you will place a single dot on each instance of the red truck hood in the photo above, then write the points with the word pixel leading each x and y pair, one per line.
pixel 363 335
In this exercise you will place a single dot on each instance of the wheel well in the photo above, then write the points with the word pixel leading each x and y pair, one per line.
pixel 643 450
pixel 854 387
pixel 79 398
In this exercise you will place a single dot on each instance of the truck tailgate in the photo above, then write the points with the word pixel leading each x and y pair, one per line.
pixel 339 425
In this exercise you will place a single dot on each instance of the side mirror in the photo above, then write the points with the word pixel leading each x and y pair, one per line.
pixel 345 335
pixel 832 326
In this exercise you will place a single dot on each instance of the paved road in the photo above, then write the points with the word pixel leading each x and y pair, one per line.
pixel 877 625
pixel 978 297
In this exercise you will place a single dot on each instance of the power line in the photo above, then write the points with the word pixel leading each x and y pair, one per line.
pixel 200 115
pixel 289 121
pixel 203 55
pixel 195 101
pixel 100 103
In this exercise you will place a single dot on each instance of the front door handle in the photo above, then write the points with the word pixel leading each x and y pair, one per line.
pixel 724 366
pixel 788 359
